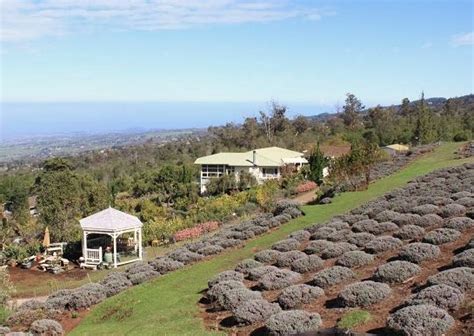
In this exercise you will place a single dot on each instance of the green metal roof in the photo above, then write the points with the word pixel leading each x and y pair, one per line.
pixel 265 157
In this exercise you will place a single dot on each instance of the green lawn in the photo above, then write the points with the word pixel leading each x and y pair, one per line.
pixel 168 305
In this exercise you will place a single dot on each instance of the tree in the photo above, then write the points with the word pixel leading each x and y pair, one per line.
pixel 382 121
pixel 301 124
pixel 405 108
pixel 64 196
pixel 351 111
pixel 274 122
pixel 425 129
pixel 317 163
pixel 221 185
pixel 363 156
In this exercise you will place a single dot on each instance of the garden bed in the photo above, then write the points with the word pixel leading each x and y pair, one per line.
pixel 408 278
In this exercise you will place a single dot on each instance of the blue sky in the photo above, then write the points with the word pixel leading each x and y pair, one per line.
pixel 302 53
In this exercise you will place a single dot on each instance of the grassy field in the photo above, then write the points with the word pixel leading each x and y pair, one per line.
pixel 168 305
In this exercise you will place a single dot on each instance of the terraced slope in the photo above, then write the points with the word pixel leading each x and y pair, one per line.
pixel 406 257
pixel 167 306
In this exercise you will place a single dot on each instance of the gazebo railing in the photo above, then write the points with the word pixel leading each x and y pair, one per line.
pixel 94 256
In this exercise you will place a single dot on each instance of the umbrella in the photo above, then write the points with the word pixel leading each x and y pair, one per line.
pixel 46 239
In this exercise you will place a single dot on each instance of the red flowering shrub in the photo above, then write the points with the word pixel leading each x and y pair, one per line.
pixel 306 186
pixel 196 231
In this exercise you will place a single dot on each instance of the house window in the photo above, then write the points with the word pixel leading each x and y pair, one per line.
pixel 270 172
pixel 212 170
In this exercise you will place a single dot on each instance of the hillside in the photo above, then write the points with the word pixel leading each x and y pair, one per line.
pixel 169 304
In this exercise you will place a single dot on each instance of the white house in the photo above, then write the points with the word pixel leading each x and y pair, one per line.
pixel 263 163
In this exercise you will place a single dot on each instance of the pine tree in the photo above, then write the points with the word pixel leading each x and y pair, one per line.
pixel 317 163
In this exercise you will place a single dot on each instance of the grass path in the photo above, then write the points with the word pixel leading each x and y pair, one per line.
pixel 167 305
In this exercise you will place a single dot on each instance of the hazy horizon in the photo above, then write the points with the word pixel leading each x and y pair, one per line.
pixel 24 120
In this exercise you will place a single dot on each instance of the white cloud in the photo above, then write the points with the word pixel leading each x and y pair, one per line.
pixel 463 39
pixel 31 19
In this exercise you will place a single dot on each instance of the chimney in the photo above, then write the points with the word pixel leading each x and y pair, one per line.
pixel 254 158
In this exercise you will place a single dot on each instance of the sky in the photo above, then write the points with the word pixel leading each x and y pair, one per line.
pixel 188 63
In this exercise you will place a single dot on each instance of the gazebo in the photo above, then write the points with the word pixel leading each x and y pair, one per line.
pixel 114 224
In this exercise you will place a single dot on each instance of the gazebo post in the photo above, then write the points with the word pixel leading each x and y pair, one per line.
pixel 84 244
pixel 114 236
pixel 140 248
pixel 135 240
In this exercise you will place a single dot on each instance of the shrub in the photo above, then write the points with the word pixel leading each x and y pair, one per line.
pixel 305 187
pixel 225 276
pixel 59 300
pixel 396 271
pixel 419 252
pixel 465 258
pixel 255 311
pixel 420 320
pixel 210 250
pixel 26 316
pixel 386 216
pixel 409 232
pixel 80 298
pixel 216 292
pixel 339 235
pixel 317 246
pixel 467 202
pixel 337 249
pixel 307 263
pixel 301 235
pixel 226 243
pixel 461 278
pixel 267 256
pixel 441 236
pixel 286 245
pixel 460 223
pixel 461 194
pixel 430 220
pixel 286 259
pixel 46 327
pixel 354 259
pixel 194 247
pixel 257 272
pixel 322 233
pixel 292 322
pixel 296 295
pixel 332 276
pixel 364 294
pixel 279 279
pixel 407 219
pixel 338 225
pixel 453 210
pixel 6 287
pixel 351 219
pixel 165 265
pixel 140 272
pixel 365 225
pixel 426 209
pixel 361 239
pixel 373 227
pixel 232 299
pixel 184 256
pixel 283 205
pixel 245 265
pixel 382 244
pixel 441 296
pixel 354 319
pixel 115 282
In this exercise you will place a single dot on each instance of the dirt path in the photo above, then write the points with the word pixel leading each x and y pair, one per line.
pixel 18 302
pixel 306 197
